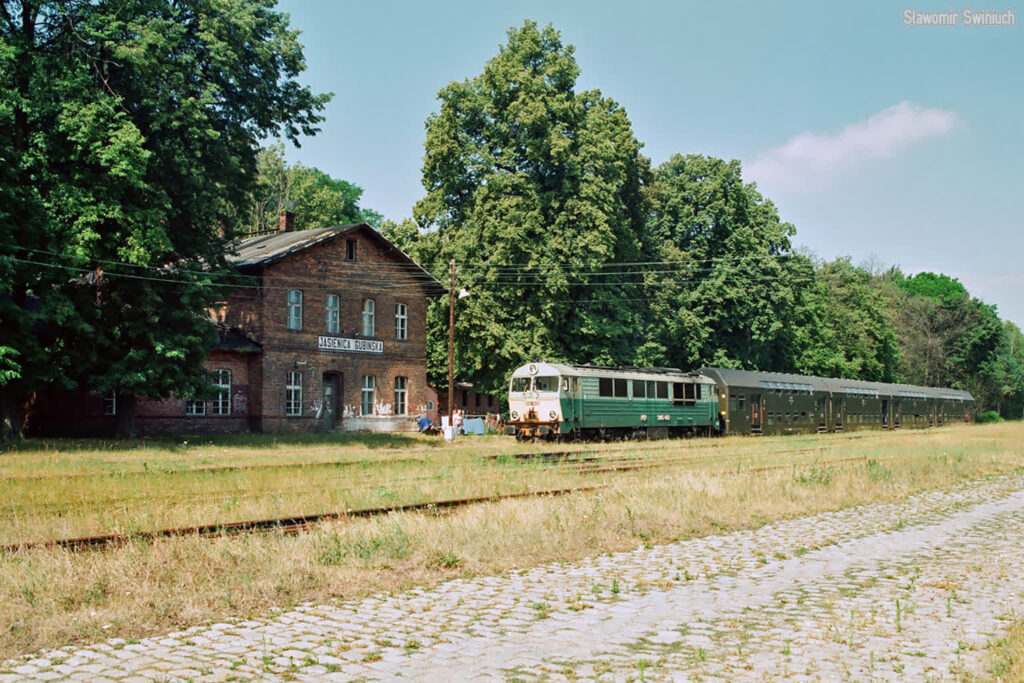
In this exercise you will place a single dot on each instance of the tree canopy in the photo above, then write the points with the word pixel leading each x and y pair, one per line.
pixel 537 186
pixel 316 199
pixel 130 136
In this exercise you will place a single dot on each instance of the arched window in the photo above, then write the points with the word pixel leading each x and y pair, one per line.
pixel 369 324
pixel 401 321
pixel 293 395
pixel 294 309
pixel 368 395
pixel 333 308
pixel 401 385
pixel 222 403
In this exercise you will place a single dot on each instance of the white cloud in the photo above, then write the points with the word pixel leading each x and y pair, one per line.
pixel 810 160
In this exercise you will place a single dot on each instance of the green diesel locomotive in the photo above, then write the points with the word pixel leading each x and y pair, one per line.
pixel 552 400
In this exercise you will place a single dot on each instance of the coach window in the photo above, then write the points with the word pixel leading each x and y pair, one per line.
pixel 293 394
pixel 604 387
pixel 367 395
pixel 689 393
pixel 369 322
pixel 401 322
pixel 662 389
pixel 333 314
pixel 620 388
pixel 639 388
pixel 294 309
pixel 222 403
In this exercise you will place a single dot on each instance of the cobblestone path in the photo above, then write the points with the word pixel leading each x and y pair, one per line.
pixel 907 591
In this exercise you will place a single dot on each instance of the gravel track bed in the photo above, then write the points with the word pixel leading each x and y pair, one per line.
pixel 895 591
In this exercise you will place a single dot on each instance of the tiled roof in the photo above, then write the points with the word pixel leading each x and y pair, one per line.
pixel 267 249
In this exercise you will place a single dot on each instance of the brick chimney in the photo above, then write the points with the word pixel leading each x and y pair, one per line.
pixel 286 221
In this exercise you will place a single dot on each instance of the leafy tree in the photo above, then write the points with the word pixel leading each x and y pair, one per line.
pixel 841 326
pixel 130 133
pixel 939 287
pixel 729 280
pixel 534 190
pixel 316 199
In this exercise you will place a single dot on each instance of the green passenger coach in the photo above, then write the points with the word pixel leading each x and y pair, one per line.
pixel 553 400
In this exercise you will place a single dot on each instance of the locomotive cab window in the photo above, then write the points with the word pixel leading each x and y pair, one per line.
pixel 565 384
pixel 545 383
pixel 639 388
pixel 520 384
pixel 683 393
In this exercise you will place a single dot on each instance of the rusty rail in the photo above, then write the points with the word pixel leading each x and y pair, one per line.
pixel 288 525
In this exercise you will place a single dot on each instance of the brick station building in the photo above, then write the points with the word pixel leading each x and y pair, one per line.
pixel 329 332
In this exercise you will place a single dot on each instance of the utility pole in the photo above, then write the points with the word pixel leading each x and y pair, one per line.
pixel 451 343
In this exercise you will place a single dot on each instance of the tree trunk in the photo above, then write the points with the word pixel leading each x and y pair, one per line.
pixel 12 414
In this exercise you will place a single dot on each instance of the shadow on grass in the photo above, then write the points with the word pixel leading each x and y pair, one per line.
pixel 187 441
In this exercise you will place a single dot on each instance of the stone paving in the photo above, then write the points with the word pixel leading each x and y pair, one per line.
pixel 904 591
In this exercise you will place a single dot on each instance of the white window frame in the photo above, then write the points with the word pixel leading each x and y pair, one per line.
pixel 368 391
pixel 369 317
pixel 332 306
pixel 195 407
pixel 293 394
pixel 110 403
pixel 294 309
pixel 222 404
pixel 401 322
pixel 401 395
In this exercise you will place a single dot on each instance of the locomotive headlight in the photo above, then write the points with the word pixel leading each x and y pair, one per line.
pixel 552 414
pixel 515 415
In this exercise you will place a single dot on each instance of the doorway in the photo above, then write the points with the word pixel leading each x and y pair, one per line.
pixel 330 414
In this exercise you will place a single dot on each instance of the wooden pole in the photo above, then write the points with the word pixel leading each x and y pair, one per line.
pixel 451 343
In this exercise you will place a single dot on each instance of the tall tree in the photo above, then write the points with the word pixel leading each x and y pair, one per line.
pixel 316 199
pixel 728 285
pixel 534 190
pixel 130 132
pixel 841 325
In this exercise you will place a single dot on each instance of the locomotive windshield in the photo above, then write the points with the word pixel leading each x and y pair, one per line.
pixel 520 384
pixel 545 383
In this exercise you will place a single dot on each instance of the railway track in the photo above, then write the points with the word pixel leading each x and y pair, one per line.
pixel 593 461
pixel 296 524
pixel 288 525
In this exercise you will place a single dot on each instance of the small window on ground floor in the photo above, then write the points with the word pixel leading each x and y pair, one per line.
pixel 110 403
pixel 293 394
pixel 367 396
pixel 222 403
pixel 401 386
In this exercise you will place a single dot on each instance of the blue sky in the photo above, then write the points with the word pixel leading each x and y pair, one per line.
pixel 877 140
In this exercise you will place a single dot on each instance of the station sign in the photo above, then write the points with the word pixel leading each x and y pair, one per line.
pixel 346 344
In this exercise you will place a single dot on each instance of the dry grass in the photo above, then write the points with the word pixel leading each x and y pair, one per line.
pixel 1006 655
pixel 51 597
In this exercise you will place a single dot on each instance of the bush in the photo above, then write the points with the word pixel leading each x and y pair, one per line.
pixel 989 416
